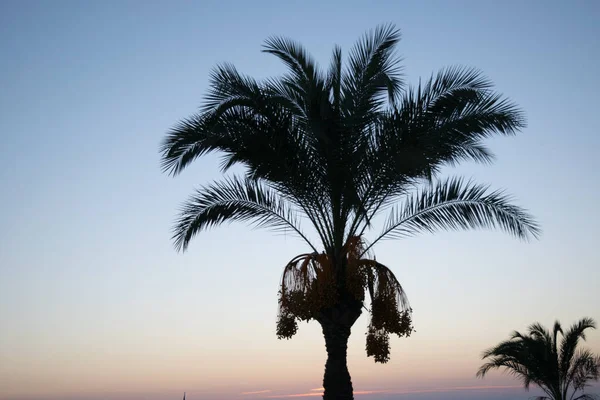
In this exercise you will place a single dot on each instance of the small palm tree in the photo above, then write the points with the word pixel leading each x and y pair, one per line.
pixel 561 370
pixel 336 148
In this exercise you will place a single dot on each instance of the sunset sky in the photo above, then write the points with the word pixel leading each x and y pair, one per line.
pixel 95 303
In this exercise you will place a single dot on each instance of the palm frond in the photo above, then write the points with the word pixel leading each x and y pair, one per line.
pixel 373 73
pixel 455 109
pixel 586 396
pixel 291 97
pixel 188 140
pixel 234 199
pixel 302 66
pixel 555 331
pixel 455 81
pixel 441 122
pixel 510 365
pixel 571 339
pixel 584 367
pixel 538 331
pixel 226 122
pixel 228 88
pixel 334 77
pixel 454 204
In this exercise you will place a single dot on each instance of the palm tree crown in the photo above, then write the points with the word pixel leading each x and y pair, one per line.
pixel 337 147
pixel 558 367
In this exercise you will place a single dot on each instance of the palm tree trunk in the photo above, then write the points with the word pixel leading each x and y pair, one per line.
pixel 337 384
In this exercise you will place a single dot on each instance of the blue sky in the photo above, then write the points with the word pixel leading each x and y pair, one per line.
pixel 96 303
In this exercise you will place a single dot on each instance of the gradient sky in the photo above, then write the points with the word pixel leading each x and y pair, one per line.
pixel 96 304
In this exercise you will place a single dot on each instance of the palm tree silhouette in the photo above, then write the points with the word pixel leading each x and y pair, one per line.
pixel 337 148
pixel 561 370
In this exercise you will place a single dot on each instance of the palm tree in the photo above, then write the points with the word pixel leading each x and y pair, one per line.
pixel 560 370
pixel 337 147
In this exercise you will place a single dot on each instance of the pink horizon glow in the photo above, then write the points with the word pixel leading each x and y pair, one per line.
pixel 319 391
pixel 256 392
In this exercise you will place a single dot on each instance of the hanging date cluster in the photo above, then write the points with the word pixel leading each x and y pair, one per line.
pixel 312 283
